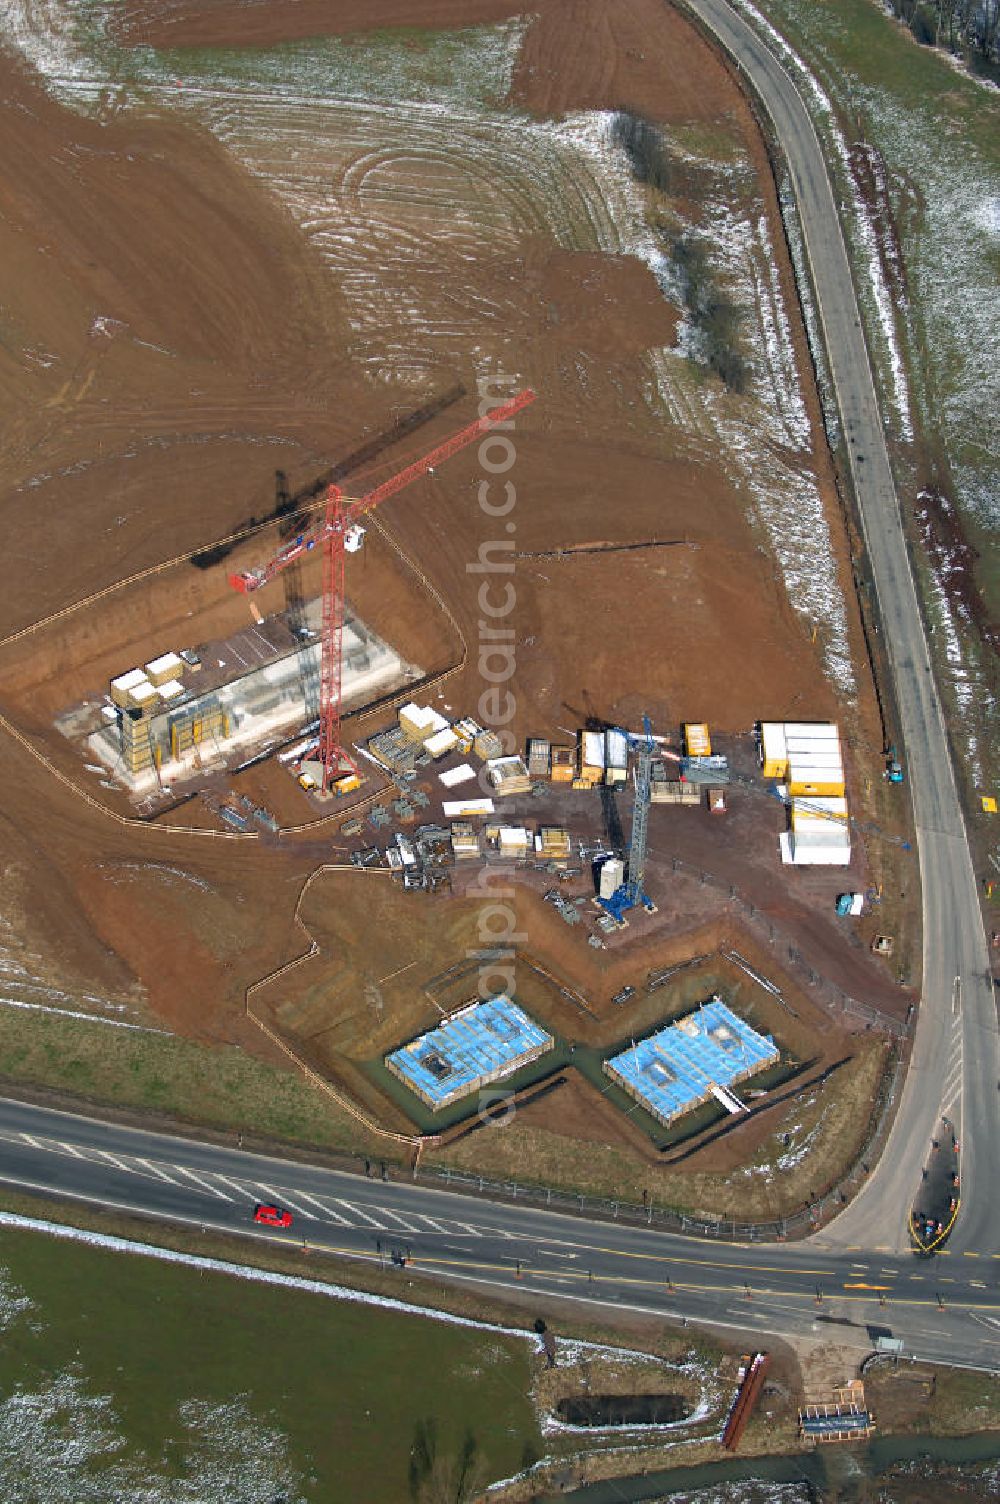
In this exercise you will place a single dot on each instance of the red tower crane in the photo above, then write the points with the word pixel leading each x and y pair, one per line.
pixel 340 535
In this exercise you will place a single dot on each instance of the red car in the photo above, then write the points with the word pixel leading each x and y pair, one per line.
pixel 272 1216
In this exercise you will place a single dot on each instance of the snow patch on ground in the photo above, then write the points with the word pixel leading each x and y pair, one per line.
pixel 14 1303
pixel 62 1444
pixel 395 160
pixel 971 697
pixel 26 981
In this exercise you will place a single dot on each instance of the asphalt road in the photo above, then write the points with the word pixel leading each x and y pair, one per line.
pixel 946 1309
pixel 956 1056
pixel 853 1276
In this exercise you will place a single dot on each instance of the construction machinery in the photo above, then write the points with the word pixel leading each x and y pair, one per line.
pixel 341 533
pixel 893 767
pixel 630 893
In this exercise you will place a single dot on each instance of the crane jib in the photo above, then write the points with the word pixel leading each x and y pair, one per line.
pixel 253 579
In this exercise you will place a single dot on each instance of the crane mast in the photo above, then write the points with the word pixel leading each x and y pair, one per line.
pixel 631 893
pixel 339 535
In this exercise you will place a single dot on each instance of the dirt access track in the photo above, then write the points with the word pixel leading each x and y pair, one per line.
pixel 209 282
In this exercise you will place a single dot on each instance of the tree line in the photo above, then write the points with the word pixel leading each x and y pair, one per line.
pixel 965 27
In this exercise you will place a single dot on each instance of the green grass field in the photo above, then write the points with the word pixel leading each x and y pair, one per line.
pixel 215 1086
pixel 122 1379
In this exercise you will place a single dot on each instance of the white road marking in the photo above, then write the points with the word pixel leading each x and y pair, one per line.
pixel 437 1226
pixel 69 1149
pixel 245 1188
pixel 206 1185
pixel 327 1212
pixel 404 1225
pixel 148 1164
pixel 372 1221
pixel 119 1164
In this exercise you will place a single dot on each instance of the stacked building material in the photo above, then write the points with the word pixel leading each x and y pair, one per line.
pixel 553 843
pixel 454 776
pixel 509 776
pixel 419 722
pixel 466 731
pixel 487 745
pixel 539 753
pixel 457 809
pixel 664 790
pixel 514 840
pixel 123 688
pixel 464 841
pixel 169 667
pixel 440 743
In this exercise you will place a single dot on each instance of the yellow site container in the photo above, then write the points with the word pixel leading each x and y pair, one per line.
pixel 562 765
pixel 773 749
pixel 697 742
pixel 804 788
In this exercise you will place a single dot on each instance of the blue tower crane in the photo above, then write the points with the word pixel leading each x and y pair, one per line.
pixel 630 893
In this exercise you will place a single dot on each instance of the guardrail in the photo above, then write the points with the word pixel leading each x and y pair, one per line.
pixel 797 1224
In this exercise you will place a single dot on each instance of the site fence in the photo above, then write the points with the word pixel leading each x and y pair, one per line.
pixel 826 992
pixel 648 1213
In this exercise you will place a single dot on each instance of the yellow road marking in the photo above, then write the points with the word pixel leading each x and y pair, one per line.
pixel 665 1258
pixel 580 1276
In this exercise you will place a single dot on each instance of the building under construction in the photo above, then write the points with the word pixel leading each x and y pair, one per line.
pixel 482 1042
pixel 231 700
pixel 845 1418
pixel 699 1057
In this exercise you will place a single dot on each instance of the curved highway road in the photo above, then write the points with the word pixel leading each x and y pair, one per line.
pixel 853 1275
pixel 956 1036
pixel 947 1309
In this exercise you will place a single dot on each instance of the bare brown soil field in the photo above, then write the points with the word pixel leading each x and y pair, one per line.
pixel 175 335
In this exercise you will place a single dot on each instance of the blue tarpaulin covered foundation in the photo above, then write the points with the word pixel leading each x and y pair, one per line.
pixel 480 1043
pixel 698 1057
